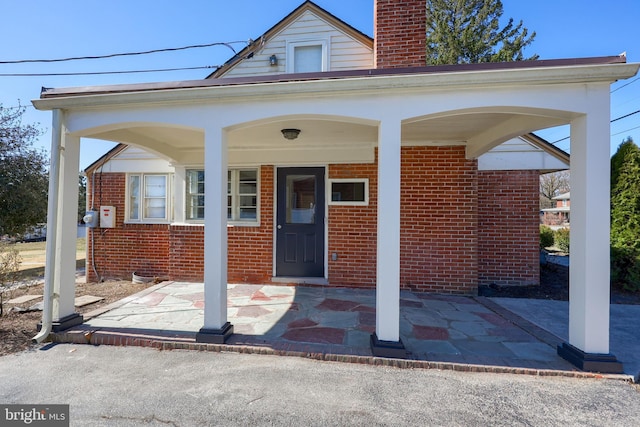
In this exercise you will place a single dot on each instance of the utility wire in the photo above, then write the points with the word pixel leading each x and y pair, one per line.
pixel 95 73
pixel 625 131
pixel 113 55
pixel 611 121
pixel 626 84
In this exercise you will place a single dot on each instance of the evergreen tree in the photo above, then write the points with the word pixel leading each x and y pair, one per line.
pixel 625 216
pixel 468 31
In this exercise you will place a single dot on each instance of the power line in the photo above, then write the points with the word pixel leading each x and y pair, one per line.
pixel 625 116
pixel 96 73
pixel 611 121
pixel 113 55
pixel 626 84
pixel 625 131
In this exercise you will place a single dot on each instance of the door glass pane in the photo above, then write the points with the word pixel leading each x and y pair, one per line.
pixel 301 199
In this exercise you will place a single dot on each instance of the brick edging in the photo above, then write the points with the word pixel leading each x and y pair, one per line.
pixel 108 338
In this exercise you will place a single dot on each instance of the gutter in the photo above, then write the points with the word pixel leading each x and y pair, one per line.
pixel 52 229
pixel 368 81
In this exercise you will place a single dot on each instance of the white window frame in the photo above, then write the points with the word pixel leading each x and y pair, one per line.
pixel 187 195
pixel 235 196
pixel 168 210
pixel 348 203
pixel 291 47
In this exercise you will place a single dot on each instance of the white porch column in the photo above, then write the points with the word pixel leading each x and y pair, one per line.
pixel 216 328
pixel 60 269
pixel 386 340
pixel 64 278
pixel 588 346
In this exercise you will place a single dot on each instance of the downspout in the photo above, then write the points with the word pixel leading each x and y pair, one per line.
pixel 52 227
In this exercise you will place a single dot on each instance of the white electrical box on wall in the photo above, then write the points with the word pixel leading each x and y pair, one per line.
pixel 107 216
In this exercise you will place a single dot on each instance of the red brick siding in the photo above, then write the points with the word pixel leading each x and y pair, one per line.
pixel 353 232
pixel 438 236
pixel 187 252
pixel 438 225
pixel 458 227
pixel 127 248
pixel 508 227
pixel 400 33
pixel 250 251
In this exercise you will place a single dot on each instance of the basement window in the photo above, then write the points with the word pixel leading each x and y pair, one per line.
pixel 349 192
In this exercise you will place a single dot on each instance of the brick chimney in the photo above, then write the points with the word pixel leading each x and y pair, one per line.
pixel 399 33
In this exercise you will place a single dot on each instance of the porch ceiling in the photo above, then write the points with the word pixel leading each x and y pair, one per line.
pixel 464 129
pixel 180 144
pixel 312 132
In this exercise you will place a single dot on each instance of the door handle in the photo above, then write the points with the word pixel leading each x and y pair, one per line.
pixel 279 227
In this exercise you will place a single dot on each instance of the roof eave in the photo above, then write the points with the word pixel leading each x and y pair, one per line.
pixel 326 83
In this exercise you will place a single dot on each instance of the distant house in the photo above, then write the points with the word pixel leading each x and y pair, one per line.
pixel 320 155
pixel 559 216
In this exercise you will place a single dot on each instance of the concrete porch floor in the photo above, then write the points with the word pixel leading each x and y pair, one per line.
pixel 455 332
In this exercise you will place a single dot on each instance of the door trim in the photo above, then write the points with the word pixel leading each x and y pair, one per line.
pixel 301 280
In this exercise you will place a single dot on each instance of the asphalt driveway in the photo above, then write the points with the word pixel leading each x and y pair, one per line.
pixel 109 386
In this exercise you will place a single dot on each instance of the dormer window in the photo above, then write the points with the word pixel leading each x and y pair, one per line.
pixel 307 56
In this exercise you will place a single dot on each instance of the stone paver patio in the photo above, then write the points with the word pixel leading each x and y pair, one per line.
pixel 442 328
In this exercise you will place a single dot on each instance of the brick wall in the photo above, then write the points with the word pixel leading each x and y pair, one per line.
pixel 176 252
pixel 508 227
pixel 128 248
pixel 400 33
pixel 251 248
pixel 439 220
pixel 458 227
pixel 353 232
pixel 438 226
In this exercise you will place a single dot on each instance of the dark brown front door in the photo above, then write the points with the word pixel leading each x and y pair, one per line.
pixel 300 225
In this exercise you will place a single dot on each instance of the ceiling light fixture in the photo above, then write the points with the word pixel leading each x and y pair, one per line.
pixel 290 134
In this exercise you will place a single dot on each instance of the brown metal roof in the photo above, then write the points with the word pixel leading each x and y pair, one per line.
pixel 328 75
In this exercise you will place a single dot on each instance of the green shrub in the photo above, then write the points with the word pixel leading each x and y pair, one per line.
pixel 625 268
pixel 546 237
pixel 561 239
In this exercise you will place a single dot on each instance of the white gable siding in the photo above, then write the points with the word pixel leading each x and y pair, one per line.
pixel 344 52
pixel 136 160
pixel 518 154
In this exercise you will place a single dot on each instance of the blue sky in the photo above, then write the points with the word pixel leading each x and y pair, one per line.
pixel 64 28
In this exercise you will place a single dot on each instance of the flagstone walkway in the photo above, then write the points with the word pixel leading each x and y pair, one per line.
pixel 442 328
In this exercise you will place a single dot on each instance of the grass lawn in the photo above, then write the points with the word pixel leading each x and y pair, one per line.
pixel 33 256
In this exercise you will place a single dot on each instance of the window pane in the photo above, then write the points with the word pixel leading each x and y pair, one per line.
pixel 307 59
pixel 347 192
pixel 155 186
pixel 248 201
pixel 195 194
pixel 301 199
pixel 246 188
pixel 155 202
pixel 248 214
pixel 134 197
pixel 247 175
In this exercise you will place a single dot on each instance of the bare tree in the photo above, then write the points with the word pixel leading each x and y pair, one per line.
pixel 552 185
